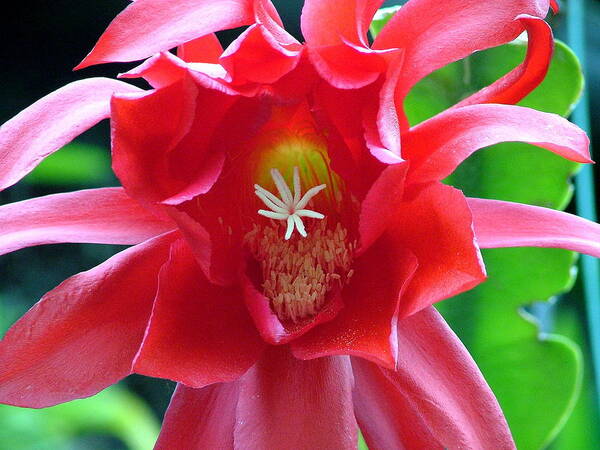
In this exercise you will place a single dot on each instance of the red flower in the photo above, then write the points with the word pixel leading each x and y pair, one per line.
pixel 280 339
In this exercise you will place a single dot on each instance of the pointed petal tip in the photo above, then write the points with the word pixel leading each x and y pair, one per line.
pixel 81 65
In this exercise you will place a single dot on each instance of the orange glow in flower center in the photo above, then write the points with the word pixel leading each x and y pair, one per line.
pixel 298 273
pixel 300 238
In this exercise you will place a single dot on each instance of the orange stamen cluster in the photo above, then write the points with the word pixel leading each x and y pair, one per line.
pixel 298 273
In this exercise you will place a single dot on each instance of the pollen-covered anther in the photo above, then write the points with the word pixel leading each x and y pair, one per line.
pixel 289 207
pixel 298 274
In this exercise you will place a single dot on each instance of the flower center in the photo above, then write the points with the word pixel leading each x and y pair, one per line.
pixel 300 240
pixel 298 273
pixel 289 208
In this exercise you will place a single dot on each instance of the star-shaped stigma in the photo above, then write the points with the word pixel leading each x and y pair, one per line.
pixel 289 208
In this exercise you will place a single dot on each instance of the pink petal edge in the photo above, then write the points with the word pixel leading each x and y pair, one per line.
pixel 53 121
pixel 99 216
pixel 506 224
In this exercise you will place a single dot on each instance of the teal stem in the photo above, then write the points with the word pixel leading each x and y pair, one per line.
pixel 585 196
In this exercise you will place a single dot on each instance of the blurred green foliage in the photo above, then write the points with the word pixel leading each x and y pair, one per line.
pixel 112 418
pixel 75 164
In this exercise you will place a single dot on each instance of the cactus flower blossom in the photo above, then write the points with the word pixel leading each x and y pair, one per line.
pixel 289 228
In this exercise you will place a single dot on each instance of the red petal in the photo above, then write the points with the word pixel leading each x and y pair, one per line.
pixel 161 141
pixel 555 6
pixel 304 404
pixel 434 34
pixel 145 128
pixel 440 383
pixel 256 56
pixel 331 22
pixel 266 14
pixel 380 204
pixel 213 229
pixel 160 70
pixel 197 238
pixel 273 330
pixel 386 415
pixel 366 326
pixel 82 336
pixel 382 121
pixel 435 223
pixel 437 146
pixel 346 66
pixel 336 34
pixel 206 49
pixel 519 82
pixel 200 418
pixel 164 69
pixel 101 216
pixel 334 111
pixel 505 224
pixel 151 26
pixel 199 333
pixel 52 122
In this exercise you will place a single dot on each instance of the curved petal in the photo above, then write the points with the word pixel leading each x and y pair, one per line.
pixel 213 229
pixel 199 333
pixel 100 216
pixel 335 112
pixel 200 418
pixel 336 34
pixel 380 204
pixel 440 383
pixel 385 414
pixel 147 27
pixel 434 34
pixel 256 56
pixel 506 224
pixel 52 122
pixel 437 146
pixel 331 22
pixel 382 121
pixel 266 15
pixel 366 326
pixel 164 68
pixel 82 336
pixel 161 141
pixel 270 327
pixel 307 404
pixel 145 128
pixel 435 223
pixel 347 66
pixel 523 79
pixel 160 70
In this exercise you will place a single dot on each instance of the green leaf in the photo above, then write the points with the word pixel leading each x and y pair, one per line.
pixel 74 164
pixel 536 377
pixel 114 412
pixel 517 172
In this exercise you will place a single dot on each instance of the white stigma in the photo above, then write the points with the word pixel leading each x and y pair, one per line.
pixel 289 207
